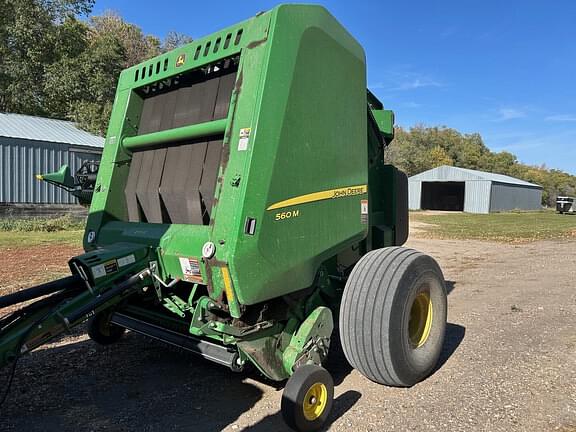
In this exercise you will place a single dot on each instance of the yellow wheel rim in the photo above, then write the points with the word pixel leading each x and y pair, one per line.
pixel 420 322
pixel 315 401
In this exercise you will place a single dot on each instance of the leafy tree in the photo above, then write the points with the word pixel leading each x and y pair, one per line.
pixel 52 64
pixel 136 45
pixel 174 40
pixel 32 36
pixel 438 156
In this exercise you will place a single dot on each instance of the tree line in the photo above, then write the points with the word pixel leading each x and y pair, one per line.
pixel 422 148
pixel 56 62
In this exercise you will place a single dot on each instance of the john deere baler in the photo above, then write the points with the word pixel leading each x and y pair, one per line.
pixel 243 209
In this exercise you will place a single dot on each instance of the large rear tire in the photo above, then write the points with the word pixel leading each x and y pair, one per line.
pixel 393 316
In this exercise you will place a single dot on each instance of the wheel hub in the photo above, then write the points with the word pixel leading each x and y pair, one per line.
pixel 420 324
pixel 315 401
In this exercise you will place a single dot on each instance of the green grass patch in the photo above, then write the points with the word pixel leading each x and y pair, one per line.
pixel 502 227
pixel 64 223
pixel 37 231
pixel 26 239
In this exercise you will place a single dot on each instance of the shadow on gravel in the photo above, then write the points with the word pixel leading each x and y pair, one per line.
pixel 336 363
pixel 452 340
pixel 141 384
pixel 275 423
pixel 136 384
pixel 450 285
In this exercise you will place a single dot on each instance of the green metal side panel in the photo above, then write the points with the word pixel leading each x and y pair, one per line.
pixel 308 136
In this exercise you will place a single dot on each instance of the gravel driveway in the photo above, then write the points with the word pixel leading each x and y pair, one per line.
pixel 509 364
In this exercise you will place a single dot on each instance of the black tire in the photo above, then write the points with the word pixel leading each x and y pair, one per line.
pixel 102 331
pixel 297 402
pixel 388 330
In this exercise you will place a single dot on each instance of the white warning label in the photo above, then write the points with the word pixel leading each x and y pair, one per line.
pixel 244 139
pixel 364 211
pixel 190 269
pixel 126 260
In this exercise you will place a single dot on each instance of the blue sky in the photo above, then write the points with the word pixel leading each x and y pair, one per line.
pixel 505 69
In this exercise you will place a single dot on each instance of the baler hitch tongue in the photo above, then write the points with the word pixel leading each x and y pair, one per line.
pixel 66 302
pixel 60 285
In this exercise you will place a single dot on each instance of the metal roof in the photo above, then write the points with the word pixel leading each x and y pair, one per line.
pixel 451 173
pixel 44 129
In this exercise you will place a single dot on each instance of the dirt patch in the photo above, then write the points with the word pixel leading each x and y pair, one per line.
pixel 26 266
pixel 418 227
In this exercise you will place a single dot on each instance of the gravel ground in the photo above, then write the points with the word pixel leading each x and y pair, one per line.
pixel 509 364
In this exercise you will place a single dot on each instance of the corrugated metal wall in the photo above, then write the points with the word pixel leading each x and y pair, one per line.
pixel 21 160
pixel 510 197
pixel 477 196
pixel 414 194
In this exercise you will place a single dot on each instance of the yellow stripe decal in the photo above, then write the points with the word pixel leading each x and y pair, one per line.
pixel 322 195
pixel 227 284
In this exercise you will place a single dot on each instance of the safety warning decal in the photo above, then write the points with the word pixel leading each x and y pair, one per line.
pixel 364 211
pixel 126 260
pixel 244 139
pixel 190 269
pixel 105 269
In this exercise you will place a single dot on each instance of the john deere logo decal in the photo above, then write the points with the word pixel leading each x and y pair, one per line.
pixel 180 60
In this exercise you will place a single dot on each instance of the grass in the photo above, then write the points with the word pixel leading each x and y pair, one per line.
pixel 36 231
pixel 502 227
pixel 26 239
pixel 64 223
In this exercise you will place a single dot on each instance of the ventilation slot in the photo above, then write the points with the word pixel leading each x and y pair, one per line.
pixel 150 70
pixel 207 48
pixel 217 45
pixel 227 40
pixel 201 50
pixel 238 37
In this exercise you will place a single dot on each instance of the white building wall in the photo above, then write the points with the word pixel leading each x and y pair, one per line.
pixel 477 196
pixel 414 193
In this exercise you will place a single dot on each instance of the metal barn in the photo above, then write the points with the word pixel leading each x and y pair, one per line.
pixel 460 189
pixel 34 145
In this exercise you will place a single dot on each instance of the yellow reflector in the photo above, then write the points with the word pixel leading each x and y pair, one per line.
pixel 227 284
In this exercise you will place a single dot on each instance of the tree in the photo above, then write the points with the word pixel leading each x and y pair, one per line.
pixel 55 65
pixel 175 40
pixel 136 45
pixel 32 36
pixel 438 156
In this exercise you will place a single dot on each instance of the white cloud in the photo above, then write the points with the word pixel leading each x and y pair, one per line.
pixel 561 118
pixel 410 105
pixel 401 79
pixel 510 114
pixel 416 83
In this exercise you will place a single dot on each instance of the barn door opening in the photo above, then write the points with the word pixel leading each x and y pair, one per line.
pixel 443 196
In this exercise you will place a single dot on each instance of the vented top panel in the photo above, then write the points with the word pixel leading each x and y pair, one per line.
pixel 188 99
